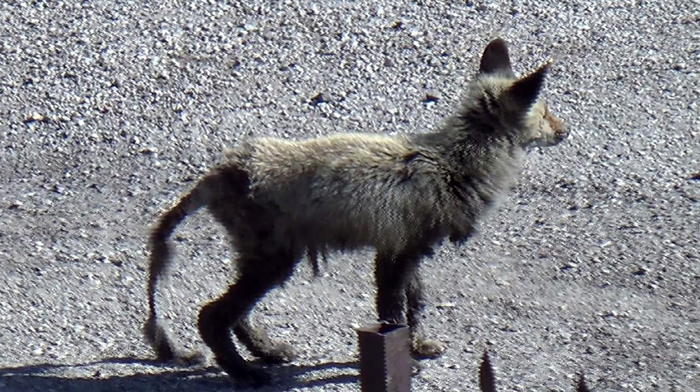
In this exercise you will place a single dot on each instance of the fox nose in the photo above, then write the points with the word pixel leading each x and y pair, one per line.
pixel 561 133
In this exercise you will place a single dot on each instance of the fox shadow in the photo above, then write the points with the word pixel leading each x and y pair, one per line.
pixel 159 377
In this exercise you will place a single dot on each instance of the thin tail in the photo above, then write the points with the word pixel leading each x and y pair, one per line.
pixel 154 330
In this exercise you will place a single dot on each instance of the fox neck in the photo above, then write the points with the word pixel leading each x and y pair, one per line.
pixel 473 156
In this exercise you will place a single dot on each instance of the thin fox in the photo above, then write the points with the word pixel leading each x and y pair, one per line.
pixel 402 195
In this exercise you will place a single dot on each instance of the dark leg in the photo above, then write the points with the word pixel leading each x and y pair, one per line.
pixel 259 344
pixel 392 274
pixel 256 278
pixel 415 300
pixel 421 347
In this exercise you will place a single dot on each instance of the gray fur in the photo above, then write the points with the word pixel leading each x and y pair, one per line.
pixel 402 195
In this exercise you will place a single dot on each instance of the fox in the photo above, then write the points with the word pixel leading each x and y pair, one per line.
pixel 402 195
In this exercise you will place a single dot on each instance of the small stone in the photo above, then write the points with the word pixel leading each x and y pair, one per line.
pixel 34 117
pixel 117 262
pixel 148 150
pixel 431 97
pixel 679 66
pixel 322 97
pixel 568 266
pixel 640 272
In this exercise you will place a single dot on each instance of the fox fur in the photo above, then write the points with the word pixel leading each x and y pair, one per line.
pixel 402 195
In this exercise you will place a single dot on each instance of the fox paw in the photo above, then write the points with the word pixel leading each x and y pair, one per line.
pixel 425 348
pixel 190 358
pixel 278 353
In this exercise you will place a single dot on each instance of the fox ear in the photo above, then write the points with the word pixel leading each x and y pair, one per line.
pixel 496 60
pixel 524 92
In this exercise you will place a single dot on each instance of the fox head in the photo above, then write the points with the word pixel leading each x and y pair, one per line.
pixel 505 104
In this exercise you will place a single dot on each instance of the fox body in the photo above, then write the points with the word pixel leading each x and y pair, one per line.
pixel 402 195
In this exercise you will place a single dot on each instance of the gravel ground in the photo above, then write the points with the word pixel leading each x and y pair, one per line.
pixel 110 109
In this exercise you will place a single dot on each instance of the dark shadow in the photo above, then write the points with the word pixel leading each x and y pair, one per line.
pixel 152 376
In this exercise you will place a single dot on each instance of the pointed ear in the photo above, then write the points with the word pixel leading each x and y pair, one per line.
pixel 495 59
pixel 524 92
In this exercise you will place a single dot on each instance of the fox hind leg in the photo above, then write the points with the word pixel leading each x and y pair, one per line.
pixel 216 319
pixel 259 343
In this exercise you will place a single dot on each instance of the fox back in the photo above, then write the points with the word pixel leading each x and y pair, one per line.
pixel 351 190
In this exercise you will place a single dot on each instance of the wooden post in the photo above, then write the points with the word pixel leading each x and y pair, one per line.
pixel 385 358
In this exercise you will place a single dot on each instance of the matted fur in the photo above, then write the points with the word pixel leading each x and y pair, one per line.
pixel 402 195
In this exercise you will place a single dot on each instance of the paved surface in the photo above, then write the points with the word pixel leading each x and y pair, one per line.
pixel 109 110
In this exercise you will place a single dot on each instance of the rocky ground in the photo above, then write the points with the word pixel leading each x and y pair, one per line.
pixel 110 109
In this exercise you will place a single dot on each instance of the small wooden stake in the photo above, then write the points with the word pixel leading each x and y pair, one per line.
pixel 385 358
